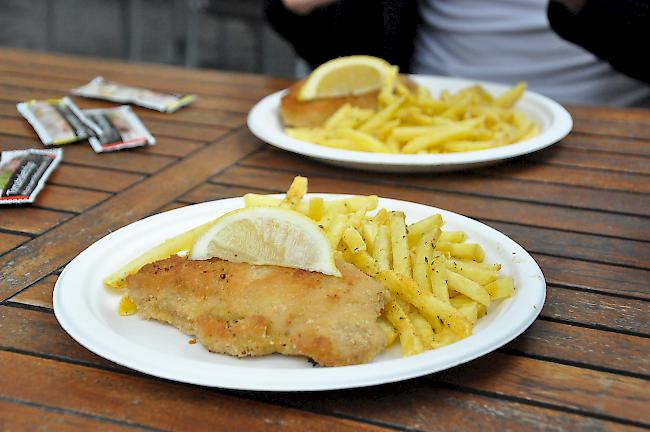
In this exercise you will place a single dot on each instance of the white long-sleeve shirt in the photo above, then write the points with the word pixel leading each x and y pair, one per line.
pixel 508 41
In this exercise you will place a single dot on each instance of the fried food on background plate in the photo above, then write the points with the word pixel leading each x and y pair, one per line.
pixel 313 113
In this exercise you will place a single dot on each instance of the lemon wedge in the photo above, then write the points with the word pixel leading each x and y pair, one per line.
pixel 267 236
pixel 350 75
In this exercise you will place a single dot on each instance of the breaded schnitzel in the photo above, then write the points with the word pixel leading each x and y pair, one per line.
pixel 313 113
pixel 248 310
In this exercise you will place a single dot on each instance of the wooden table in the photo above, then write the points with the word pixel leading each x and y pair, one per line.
pixel 581 208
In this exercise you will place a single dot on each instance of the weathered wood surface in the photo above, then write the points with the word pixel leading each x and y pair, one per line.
pixel 581 207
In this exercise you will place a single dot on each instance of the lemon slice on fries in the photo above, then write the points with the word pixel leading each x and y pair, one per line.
pixel 267 236
pixel 345 76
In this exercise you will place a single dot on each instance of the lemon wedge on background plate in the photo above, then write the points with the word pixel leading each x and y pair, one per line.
pixel 267 236
pixel 350 75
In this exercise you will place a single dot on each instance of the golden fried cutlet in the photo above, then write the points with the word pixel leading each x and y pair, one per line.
pixel 248 310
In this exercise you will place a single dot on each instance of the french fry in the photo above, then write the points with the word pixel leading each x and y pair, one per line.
pixel 305 134
pixel 364 262
pixel 127 306
pixel 425 225
pixel 501 288
pixel 357 218
pixel 369 233
pixel 338 143
pixel 408 337
pixel 482 310
pixel 422 259
pixel 476 273
pixel 444 337
pixel 381 217
pixel 429 306
pixel 468 309
pixel 181 242
pixel 422 329
pixel 338 117
pixel 472 251
pixel 453 236
pixel 252 200
pixel 466 146
pixel 438 277
pixel 364 141
pixel 353 240
pixel 386 94
pixel 352 204
pixel 295 193
pixel 335 229
pixel 316 208
pixel 440 135
pixel 399 244
pixel 468 287
pixel 460 300
pixel 510 97
pixel 496 267
pixel 389 332
pixel 382 251
pixel 382 116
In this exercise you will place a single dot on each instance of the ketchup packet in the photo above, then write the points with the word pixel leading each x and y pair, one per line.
pixel 99 88
pixel 23 173
pixel 117 128
pixel 56 121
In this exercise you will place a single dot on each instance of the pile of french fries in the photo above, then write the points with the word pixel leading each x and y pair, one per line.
pixel 439 283
pixel 411 121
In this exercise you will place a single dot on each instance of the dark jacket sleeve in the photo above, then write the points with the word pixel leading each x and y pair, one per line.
pixel 347 27
pixel 617 31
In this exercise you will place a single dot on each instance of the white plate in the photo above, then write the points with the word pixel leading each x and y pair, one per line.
pixel 88 312
pixel 554 121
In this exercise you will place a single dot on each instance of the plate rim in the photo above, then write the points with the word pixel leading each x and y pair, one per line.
pixel 315 379
pixel 562 126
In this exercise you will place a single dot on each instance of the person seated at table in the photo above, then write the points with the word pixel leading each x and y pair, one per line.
pixel 627 24
pixel 501 41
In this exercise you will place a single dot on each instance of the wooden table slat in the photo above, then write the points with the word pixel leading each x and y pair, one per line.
pixel 608 394
pixel 62 63
pixel 68 199
pixel 93 178
pixel 606 144
pixel 586 347
pixel 602 311
pixel 9 241
pixel 630 123
pixel 39 295
pixel 592 159
pixel 605 278
pixel 151 402
pixel 15 416
pixel 30 220
pixel 435 408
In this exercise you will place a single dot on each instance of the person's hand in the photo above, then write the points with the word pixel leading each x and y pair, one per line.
pixel 303 7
